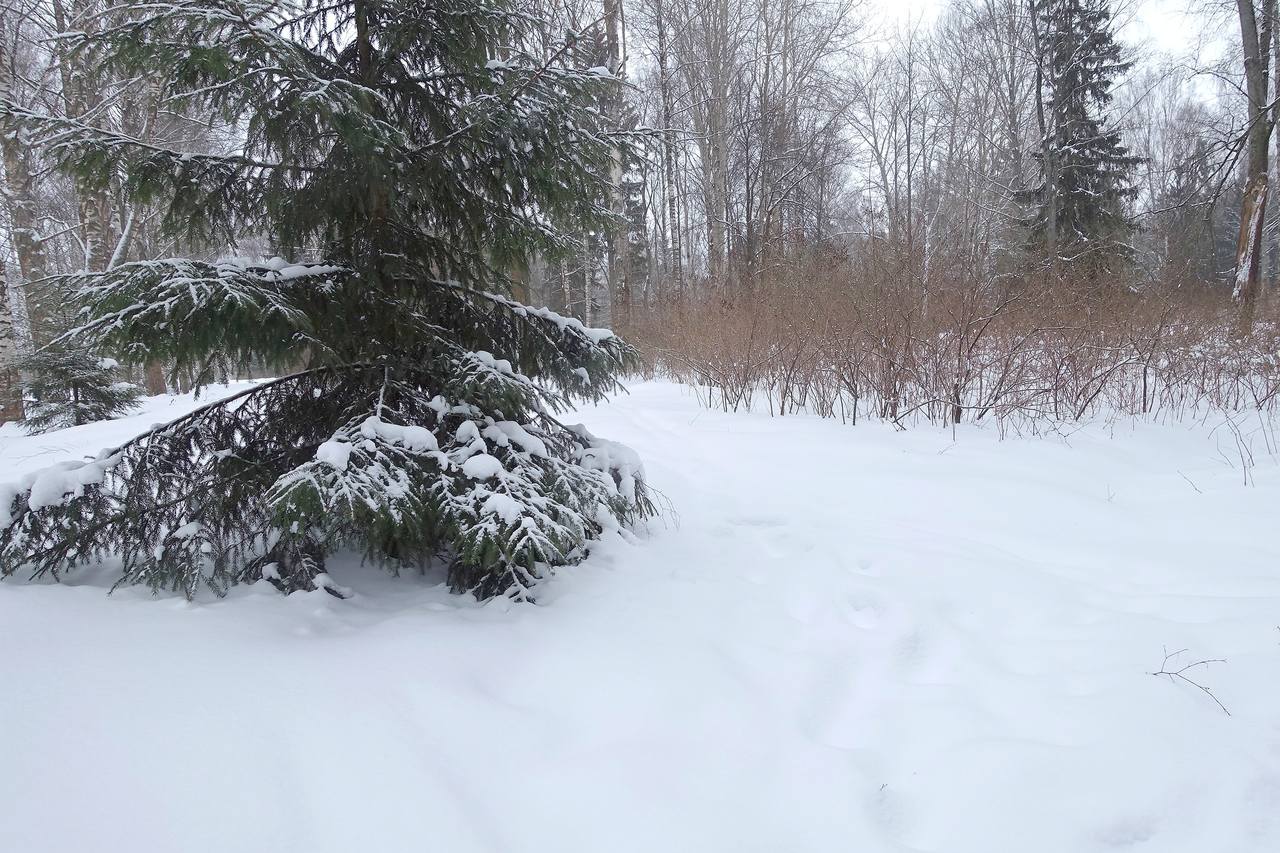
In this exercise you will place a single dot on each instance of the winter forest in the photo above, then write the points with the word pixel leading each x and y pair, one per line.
pixel 636 425
pixel 989 210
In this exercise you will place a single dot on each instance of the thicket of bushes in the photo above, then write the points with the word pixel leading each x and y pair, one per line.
pixel 943 345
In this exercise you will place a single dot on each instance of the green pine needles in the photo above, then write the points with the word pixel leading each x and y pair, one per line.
pixel 404 155
pixel 1086 170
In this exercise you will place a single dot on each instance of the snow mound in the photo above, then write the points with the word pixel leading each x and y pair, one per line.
pixel 613 458
pixel 482 466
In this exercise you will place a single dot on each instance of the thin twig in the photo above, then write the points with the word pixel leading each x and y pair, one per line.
pixel 1180 673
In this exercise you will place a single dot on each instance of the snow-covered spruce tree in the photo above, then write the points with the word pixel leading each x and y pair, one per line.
pixel 1079 213
pixel 405 154
pixel 70 386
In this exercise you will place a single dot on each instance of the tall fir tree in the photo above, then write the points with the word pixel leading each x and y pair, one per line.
pixel 1079 218
pixel 405 156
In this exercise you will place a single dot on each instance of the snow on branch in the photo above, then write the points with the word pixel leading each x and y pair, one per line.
pixel 164 307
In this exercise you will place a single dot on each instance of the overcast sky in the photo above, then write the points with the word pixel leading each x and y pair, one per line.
pixel 1167 24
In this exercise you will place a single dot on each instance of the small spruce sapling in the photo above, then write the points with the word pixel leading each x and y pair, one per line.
pixel 69 387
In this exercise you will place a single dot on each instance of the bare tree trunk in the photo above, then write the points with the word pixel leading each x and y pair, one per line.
pixel 156 384
pixel 10 381
pixel 81 99
pixel 615 239
pixel 28 243
pixel 1047 146
pixel 713 183
pixel 1256 45
pixel 669 149
pixel 589 250
pixel 19 194
pixel 566 289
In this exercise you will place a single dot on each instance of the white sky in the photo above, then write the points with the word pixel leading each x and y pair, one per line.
pixel 1168 25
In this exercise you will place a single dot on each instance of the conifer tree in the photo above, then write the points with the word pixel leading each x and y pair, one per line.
pixel 1185 218
pixel 71 387
pixel 404 155
pixel 1085 169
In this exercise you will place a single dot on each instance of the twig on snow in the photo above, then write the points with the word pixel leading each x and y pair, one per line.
pixel 1180 674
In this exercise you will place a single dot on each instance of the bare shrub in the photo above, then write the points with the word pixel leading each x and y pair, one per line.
pixel 946 344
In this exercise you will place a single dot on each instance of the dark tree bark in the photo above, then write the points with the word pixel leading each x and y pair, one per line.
pixel 1256 32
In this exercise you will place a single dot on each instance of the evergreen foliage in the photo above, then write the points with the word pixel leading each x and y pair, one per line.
pixel 70 387
pixel 1185 218
pixel 1085 168
pixel 405 155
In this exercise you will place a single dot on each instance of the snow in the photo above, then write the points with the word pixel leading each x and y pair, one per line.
pixel 596 336
pixel 281 269
pixel 504 506
pixel 501 365
pixel 58 482
pixel 614 458
pixel 468 435
pixel 415 438
pixel 190 530
pixel 293 271
pixel 336 454
pixel 482 466
pixel 840 639
pixel 503 433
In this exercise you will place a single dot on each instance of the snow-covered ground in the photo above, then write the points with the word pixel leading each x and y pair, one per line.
pixel 843 639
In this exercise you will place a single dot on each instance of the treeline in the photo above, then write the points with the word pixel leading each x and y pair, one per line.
pixel 1017 136
pixel 53 225
pixel 1015 140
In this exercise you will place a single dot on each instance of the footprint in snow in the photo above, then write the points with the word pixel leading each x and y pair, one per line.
pixel 864 612
pixel 867 568
pixel 912 647
pixel 1127 831
pixel 889 810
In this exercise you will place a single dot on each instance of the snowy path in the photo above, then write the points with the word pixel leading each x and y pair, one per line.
pixel 852 640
